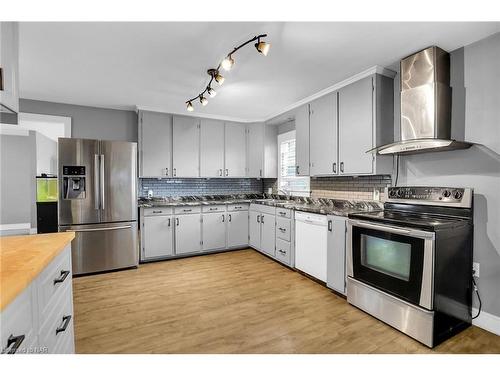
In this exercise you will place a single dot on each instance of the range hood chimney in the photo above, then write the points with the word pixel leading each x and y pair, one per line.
pixel 425 105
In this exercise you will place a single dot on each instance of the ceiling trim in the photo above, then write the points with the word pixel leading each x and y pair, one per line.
pixel 365 73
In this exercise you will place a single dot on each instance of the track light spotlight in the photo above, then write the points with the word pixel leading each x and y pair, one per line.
pixel 219 79
pixel 262 47
pixel 190 107
pixel 211 92
pixel 203 100
pixel 227 63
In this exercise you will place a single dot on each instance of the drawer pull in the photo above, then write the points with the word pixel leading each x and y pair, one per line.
pixel 157 212
pixel 282 230
pixel 282 251
pixel 187 210
pixel 213 208
pixel 62 277
pixel 282 213
pixel 13 343
pixel 237 207
pixel 65 322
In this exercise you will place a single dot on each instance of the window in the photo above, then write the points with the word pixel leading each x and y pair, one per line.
pixel 287 180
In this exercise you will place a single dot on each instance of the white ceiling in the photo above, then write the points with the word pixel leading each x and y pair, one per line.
pixel 160 65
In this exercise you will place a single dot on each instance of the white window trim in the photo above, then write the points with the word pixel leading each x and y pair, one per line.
pixel 283 137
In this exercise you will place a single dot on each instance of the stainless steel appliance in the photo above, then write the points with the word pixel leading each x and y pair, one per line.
pixel 425 105
pixel 410 265
pixel 98 200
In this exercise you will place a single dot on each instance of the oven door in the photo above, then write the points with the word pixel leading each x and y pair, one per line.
pixel 397 260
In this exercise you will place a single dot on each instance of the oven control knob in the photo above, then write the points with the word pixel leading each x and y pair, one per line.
pixel 392 193
pixel 400 193
pixel 457 194
pixel 446 193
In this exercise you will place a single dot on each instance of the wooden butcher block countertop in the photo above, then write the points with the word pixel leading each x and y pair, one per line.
pixel 22 258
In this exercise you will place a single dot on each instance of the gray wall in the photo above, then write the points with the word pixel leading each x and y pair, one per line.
pixel 475 67
pixel 17 183
pixel 89 122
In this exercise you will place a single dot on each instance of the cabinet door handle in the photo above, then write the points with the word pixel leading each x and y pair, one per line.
pixel 177 221
pixel 262 219
pixel 260 172
pixel 65 322
pixel 258 218
pixel 342 166
pixel 175 172
pixel 220 172
pixel 296 169
pixel 330 226
pixel 168 221
pixel 334 167
pixel 227 172
pixel 223 217
pixel 229 217
pixel 13 343
pixel 62 277
pixel 166 171
pixel 282 229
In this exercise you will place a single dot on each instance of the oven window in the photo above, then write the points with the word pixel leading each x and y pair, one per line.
pixel 386 256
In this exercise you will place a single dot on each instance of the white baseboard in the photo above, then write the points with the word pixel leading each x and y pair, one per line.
pixel 16 229
pixel 487 321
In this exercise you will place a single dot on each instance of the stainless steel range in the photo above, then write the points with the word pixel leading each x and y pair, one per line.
pixel 410 265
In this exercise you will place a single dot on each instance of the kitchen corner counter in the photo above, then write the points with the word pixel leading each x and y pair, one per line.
pixel 22 258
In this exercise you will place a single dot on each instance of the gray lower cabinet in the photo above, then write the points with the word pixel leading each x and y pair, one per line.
pixel 335 256
pixel 268 233
pixel 187 233
pixel 157 237
pixel 214 231
pixel 237 228
pixel 254 229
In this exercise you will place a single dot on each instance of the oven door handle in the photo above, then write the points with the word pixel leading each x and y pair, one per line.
pixel 386 228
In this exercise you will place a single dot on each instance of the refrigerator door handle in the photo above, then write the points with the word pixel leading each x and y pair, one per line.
pixel 97 204
pixel 99 229
pixel 101 165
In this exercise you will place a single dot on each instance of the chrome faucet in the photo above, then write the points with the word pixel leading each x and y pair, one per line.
pixel 287 193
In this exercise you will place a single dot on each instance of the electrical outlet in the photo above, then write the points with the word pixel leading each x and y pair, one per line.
pixel 475 269
pixel 376 194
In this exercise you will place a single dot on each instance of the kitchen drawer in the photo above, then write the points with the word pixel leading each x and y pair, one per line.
pixel 283 212
pixel 53 280
pixel 158 211
pixel 283 228
pixel 17 320
pixel 58 324
pixel 238 207
pixel 214 208
pixel 263 208
pixel 283 251
pixel 187 210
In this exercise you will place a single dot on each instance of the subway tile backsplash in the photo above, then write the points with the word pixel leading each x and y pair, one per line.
pixel 169 187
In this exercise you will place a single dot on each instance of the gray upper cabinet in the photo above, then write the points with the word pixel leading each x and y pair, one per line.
pixel 302 140
pixel 187 233
pixel 186 147
pixel 211 148
pixel 235 150
pixel 366 120
pixel 356 127
pixel 237 228
pixel 155 144
pixel 323 136
pixel 9 64
pixel 255 148
pixel 214 231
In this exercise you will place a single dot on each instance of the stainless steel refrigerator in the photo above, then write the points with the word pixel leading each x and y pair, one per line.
pixel 98 201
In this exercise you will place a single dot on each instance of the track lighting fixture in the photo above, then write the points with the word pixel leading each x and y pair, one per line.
pixel 211 92
pixel 203 100
pixel 228 62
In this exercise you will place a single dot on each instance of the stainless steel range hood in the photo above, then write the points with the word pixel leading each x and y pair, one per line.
pixel 425 105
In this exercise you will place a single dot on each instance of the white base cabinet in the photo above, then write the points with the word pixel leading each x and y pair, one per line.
pixel 237 229
pixel 40 319
pixel 187 233
pixel 214 231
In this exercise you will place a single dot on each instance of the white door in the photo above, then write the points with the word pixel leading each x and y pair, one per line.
pixel 158 238
pixel 356 127
pixel 254 228
pixel 235 146
pixel 186 147
pixel 211 148
pixel 214 231
pixel 187 233
pixel 237 228
pixel 155 144
pixel 268 236
pixel 255 149
pixel 323 135
pixel 302 140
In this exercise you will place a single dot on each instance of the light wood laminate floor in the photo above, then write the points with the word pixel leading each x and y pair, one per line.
pixel 234 302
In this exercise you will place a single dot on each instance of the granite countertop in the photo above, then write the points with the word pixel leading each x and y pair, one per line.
pixel 24 257
pixel 324 206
